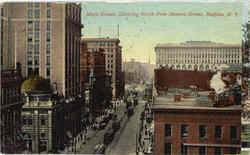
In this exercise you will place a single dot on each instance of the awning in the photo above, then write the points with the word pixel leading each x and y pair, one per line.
pixel 213 145
pixel 69 134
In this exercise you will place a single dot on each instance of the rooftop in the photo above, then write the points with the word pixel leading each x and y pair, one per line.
pixel 192 101
pixel 197 44
pixel 100 39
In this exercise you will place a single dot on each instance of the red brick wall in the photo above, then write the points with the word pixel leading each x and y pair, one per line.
pixel 165 78
pixel 194 118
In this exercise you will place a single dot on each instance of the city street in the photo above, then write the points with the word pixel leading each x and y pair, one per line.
pixel 125 139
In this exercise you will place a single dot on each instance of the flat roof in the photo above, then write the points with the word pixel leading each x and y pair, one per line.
pixel 100 39
pixel 201 101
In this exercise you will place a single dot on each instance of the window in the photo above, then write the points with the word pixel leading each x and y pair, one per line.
pixel 48 72
pixel 202 150
pixel 48 36
pixel 167 130
pixel 36 60
pixel 25 121
pixel 43 122
pixel 184 131
pixel 48 13
pixel 30 47
pixel 48 5
pixel 30 121
pixel 30 25
pixel 30 11
pixel 30 71
pixel 43 135
pixel 30 36
pixel 233 132
pixel 36 71
pixel 37 25
pixel 29 60
pixel 36 48
pixel 233 150
pixel 202 131
pixel 48 47
pixel 217 151
pixel 37 13
pixel 48 60
pixel 48 25
pixel 218 132
pixel 184 150
pixel 168 149
pixel 37 36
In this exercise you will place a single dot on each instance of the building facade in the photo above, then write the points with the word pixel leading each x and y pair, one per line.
pixel 32 33
pixel 93 72
pixel 196 130
pixel 45 38
pixel 11 107
pixel 42 117
pixel 113 52
pixel 198 55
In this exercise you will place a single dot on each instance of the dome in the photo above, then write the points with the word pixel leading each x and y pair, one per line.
pixel 36 84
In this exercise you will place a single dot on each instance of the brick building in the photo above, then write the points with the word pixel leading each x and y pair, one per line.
pixel 192 125
pixel 11 107
pixel 93 72
pixel 167 78
pixel 113 60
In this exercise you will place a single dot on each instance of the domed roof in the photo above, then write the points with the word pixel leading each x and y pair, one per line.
pixel 36 84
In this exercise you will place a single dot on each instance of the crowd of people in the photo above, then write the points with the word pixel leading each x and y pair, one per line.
pixel 146 137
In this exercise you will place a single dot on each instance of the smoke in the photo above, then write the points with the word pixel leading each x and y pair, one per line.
pixel 217 84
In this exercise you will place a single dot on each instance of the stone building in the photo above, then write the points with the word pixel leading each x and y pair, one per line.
pixel 113 52
pixel 45 38
pixel 42 116
pixel 198 55
pixel 11 106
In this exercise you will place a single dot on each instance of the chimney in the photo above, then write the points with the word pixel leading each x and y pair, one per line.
pixel 177 98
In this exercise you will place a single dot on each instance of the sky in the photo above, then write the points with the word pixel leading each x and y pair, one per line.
pixel 139 34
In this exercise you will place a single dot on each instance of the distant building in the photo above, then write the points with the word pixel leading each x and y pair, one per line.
pixel 11 107
pixel 93 72
pixel 42 117
pixel 113 53
pixel 188 124
pixel 199 55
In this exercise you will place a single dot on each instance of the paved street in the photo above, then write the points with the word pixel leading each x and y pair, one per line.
pixel 125 139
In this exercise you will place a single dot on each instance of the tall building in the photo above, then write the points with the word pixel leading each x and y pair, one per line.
pixel 10 110
pixel 198 55
pixel 93 72
pixel 113 53
pixel 45 39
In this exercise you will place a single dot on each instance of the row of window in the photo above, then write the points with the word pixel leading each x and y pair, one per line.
pixel 37 36
pixel 202 150
pixel 103 44
pixel 194 50
pixel 29 121
pixel 200 56
pixel 202 131
pixel 198 61
pixel 36 25
pixel 36 13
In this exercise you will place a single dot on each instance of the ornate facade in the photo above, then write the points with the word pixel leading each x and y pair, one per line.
pixel 198 55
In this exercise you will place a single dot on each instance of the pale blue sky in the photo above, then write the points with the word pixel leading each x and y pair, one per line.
pixel 139 35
